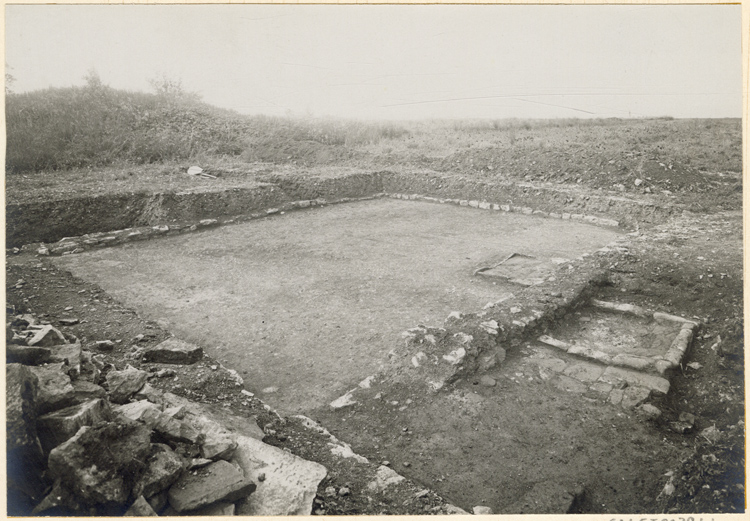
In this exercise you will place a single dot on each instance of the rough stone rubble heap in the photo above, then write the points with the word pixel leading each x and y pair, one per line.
pixel 85 438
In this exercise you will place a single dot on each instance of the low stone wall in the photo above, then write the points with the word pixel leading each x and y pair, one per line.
pixel 51 221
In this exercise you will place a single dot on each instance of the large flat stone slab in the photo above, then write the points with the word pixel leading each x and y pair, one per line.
pixel 290 482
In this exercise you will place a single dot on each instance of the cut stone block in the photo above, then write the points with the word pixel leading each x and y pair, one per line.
pixel 169 427
pixel 55 389
pixel 85 391
pixel 164 468
pixel 639 363
pixel 123 384
pixel 616 375
pixel 290 482
pixel 622 308
pixel 173 351
pixel 554 342
pixel 27 355
pixel 97 463
pixel 634 396
pixel 59 426
pixel 219 481
pixel 24 456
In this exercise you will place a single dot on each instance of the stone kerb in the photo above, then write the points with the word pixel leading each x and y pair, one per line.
pixel 475 342
pixel 526 210
pixel 71 245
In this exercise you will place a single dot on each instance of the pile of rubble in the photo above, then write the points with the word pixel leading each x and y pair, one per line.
pixel 84 438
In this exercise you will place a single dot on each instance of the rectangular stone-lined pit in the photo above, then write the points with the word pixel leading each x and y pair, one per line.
pixel 303 304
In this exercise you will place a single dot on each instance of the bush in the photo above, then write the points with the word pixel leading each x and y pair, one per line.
pixel 97 125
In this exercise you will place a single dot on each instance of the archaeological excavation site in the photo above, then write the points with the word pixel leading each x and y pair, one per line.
pixel 322 318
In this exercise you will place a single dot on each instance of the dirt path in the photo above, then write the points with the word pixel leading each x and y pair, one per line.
pixel 287 299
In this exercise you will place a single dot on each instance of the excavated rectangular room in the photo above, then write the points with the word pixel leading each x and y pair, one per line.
pixel 302 304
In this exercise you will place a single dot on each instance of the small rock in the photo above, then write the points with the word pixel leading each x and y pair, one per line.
pixel 330 491
pixel 262 476
pixel 488 381
pixel 46 336
pixel 638 182
pixel 648 411
pixel 68 321
pixel 406 464
pixel 344 491
pixel 173 351
pixel 712 434
pixel 197 463
pixel 104 345
pixel 482 511
pixel 140 508
pixel 681 427
pixel 165 373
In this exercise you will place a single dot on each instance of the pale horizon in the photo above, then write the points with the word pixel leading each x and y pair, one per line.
pixel 397 63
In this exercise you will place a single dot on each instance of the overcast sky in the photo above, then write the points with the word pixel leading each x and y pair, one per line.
pixel 397 62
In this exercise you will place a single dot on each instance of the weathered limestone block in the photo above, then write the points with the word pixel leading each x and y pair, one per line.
pixel 55 389
pixel 46 336
pixel 164 468
pixel 59 426
pixel 149 414
pixel 85 391
pixel 100 463
pixel 27 355
pixel 173 351
pixel 25 459
pixel 219 481
pixel 123 384
pixel 290 482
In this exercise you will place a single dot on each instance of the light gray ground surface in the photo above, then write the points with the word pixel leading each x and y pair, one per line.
pixel 306 303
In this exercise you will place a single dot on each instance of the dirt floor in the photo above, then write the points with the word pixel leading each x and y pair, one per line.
pixel 284 299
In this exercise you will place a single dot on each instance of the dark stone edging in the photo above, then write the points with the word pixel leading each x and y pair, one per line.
pixel 52 220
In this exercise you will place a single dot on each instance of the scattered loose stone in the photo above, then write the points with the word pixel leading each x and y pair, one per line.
pixel 344 491
pixel 482 511
pixel 488 381
pixel 68 321
pixel 104 345
pixel 173 351
pixel 46 336
pixel 648 411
